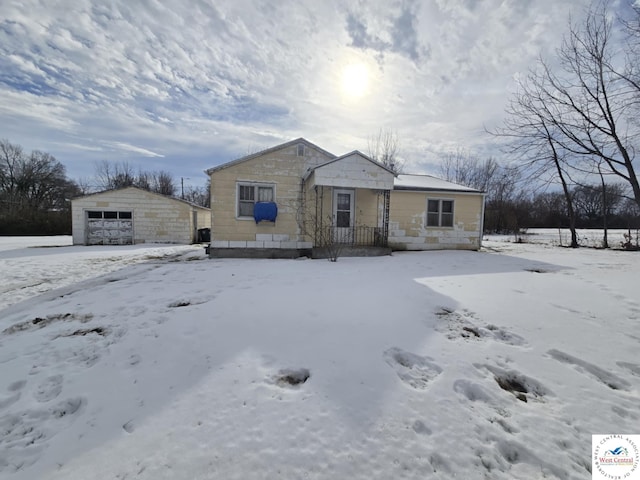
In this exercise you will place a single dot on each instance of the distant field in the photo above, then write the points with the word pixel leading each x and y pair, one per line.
pixel 562 236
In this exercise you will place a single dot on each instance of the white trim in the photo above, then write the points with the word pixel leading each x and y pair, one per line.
pixel 440 200
pixel 240 183
pixel 352 206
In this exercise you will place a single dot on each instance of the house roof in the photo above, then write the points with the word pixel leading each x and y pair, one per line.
pixel 268 150
pixel 355 152
pixel 429 183
pixel 111 190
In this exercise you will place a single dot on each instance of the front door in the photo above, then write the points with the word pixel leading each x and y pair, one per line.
pixel 343 201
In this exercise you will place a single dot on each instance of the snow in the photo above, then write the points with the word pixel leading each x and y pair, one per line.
pixel 587 237
pixel 31 265
pixel 159 363
pixel 427 182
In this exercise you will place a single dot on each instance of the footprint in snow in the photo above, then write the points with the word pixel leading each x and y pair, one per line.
pixel 290 377
pixel 414 370
pixel 420 428
pixel 609 379
pixel 17 385
pixel 523 387
pixel 464 324
pixel 26 434
pixel 472 391
pixel 632 367
pixel 49 388
pixel 14 394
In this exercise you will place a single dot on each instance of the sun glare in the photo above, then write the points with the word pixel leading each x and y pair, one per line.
pixel 355 80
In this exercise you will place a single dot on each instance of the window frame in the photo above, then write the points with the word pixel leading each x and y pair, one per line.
pixel 255 186
pixel 109 214
pixel 300 150
pixel 440 212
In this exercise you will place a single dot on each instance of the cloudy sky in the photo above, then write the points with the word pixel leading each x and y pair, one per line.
pixel 186 85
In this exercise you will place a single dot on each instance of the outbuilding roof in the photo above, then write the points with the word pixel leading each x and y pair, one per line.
pixel 429 183
pixel 132 187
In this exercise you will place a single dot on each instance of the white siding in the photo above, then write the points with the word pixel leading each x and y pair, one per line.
pixel 354 171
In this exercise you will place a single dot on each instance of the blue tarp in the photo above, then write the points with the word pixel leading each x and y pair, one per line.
pixel 265 211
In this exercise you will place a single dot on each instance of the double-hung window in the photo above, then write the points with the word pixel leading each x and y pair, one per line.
pixel 439 213
pixel 250 193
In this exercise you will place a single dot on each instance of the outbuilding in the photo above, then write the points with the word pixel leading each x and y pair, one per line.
pixel 132 215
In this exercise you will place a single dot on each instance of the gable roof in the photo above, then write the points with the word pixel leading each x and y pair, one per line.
pixel 269 150
pixel 429 183
pixel 167 197
pixel 354 152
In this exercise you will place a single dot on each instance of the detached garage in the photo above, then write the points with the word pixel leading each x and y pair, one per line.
pixel 131 215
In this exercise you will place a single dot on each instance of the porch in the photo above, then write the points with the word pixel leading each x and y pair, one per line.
pixel 359 241
pixel 347 205
pixel 357 236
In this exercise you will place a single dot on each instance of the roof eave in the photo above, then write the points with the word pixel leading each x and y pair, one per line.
pixel 432 189
pixel 268 150
pixel 357 152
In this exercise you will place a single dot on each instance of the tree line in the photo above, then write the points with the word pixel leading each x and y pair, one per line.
pixel 35 192
pixel 570 134
pixel 514 201
pixel 573 120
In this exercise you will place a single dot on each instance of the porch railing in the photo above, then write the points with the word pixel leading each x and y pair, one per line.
pixel 358 236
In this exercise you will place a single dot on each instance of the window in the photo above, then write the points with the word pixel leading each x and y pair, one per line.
pixel 250 193
pixel 343 210
pixel 108 214
pixel 300 151
pixel 439 213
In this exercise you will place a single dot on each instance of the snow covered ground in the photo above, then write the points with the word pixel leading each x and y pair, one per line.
pixel 33 265
pixel 153 362
pixel 587 237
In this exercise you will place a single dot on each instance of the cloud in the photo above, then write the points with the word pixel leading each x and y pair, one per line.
pixel 132 148
pixel 391 32
pixel 184 86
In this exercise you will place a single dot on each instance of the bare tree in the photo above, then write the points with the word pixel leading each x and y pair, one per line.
pixel 465 169
pixel 85 185
pixel 384 148
pixel 505 204
pixel 199 195
pixel 34 192
pixel 576 118
pixel 163 183
pixel 503 212
pixel 11 157
pixel 112 175
pixel 145 180
pixel 536 139
pixel 591 99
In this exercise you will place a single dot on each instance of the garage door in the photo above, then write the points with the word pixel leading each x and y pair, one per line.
pixel 109 228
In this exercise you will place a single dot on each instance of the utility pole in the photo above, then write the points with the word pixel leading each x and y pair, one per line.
pixel 182 185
